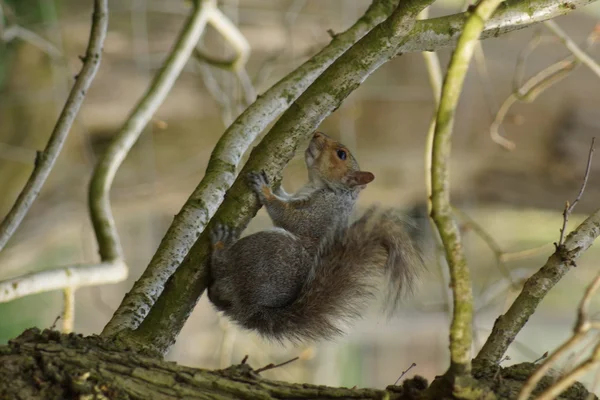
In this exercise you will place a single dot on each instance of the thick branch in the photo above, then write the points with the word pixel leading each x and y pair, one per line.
pixel 220 173
pixel 107 167
pixel 507 326
pixel 441 212
pixel 166 318
pixel 45 160
pixel 48 365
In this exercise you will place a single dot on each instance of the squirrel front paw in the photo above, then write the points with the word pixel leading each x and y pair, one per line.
pixel 260 184
pixel 222 235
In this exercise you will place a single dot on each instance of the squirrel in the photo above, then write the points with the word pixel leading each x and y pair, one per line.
pixel 314 269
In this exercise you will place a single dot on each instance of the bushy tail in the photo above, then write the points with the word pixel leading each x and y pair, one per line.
pixel 350 267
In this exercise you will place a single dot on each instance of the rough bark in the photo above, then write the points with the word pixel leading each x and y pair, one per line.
pixel 50 365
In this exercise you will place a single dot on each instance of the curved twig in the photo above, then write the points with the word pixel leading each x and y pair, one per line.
pixel 45 159
pixel 108 165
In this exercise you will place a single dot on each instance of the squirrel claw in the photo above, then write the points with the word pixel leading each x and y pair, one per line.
pixel 258 180
pixel 221 234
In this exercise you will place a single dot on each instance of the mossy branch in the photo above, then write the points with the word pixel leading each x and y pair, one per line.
pixel 507 326
pixel 441 209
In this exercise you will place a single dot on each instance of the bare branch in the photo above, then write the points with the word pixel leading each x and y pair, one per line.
pixel 507 326
pixel 582 327
pixel 569 207
pixel 60 278
pixel 108 165
pixel 221 170
pixel 441 211
pixel 45 159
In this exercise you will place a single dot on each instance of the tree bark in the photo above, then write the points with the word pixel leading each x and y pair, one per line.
pixel 51 365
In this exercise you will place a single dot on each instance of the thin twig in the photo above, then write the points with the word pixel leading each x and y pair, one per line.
pixel 53 326
pixel 441 213
pixel 404 373
pixel 573 47
pixel 46 159
pixel 569 207
pixel 108 165
pixel 68 309
pixel 273 366
pixel 542 357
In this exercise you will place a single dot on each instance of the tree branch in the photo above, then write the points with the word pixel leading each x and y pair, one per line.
pixel 507 326
pixel 60 278
pixel 108 165
pixel 583 326
pixel 45 159
pixel 169 313
pixel 441 213
pixel 436 33
pixel 220 173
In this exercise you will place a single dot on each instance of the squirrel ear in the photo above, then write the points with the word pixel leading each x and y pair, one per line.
pixel 360 178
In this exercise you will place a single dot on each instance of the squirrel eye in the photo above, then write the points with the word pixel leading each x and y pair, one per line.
pixel 341 154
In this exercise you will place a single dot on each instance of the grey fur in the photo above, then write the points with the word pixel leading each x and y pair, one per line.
pixel 298 281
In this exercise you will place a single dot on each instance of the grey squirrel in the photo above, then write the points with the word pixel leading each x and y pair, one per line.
pixel 314 269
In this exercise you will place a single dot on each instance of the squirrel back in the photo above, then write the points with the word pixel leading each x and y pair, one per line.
pixel 315 269
pixel 347 273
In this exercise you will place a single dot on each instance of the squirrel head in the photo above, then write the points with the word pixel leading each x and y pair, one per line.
pixel 330 162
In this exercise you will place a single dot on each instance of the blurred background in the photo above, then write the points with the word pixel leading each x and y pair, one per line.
pixel 515 197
